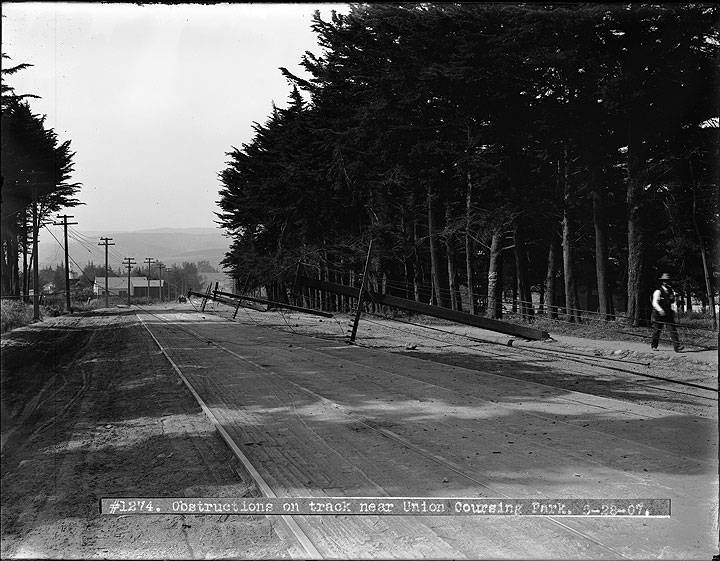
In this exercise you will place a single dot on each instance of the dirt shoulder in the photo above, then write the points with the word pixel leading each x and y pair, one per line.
pixel 90 408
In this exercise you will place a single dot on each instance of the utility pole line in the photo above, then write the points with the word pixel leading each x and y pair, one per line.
pixel 168 270
pixel 36 275
pixel 129 262
pixel 65 224
pixel 160 266
pixel 106 243
pixel 149 261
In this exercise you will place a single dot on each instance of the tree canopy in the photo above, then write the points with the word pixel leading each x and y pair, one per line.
pixel 36 172
pixel 493 146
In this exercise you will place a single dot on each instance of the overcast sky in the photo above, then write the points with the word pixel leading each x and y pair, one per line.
pixel 152 97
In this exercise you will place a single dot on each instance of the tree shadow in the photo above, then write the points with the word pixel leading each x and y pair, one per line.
pixel 623 386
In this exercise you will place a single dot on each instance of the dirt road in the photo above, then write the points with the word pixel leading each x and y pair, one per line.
pixel 91 409
pixel 320 418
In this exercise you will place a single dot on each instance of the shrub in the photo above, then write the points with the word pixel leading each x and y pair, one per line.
pixel 14 313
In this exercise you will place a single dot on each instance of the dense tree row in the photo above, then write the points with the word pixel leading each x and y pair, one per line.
pixel 569 150
pixel 36 169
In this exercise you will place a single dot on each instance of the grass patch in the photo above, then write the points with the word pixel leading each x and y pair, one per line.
pixel 14 314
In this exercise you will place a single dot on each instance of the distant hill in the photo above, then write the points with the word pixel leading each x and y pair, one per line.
pixel 169 245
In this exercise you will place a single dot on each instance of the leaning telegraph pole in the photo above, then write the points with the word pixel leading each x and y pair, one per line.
pixel 129 262
pixel 361 293
pixel 106 243
pixel 149 261
pixel 65 224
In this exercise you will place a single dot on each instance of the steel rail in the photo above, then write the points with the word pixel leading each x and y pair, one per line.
pixel 311 552
pixel 412 447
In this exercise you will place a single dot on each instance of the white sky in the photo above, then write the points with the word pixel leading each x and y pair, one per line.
pixel 152 97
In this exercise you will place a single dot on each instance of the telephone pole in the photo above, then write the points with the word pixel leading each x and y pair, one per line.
pixel 160 266
pixel 36 275
pixel 149 261
pixel 65 224
pixel 129 262
pixel 106 243
pixel 168 270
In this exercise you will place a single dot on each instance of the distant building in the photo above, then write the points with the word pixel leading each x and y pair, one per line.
pixel 118 286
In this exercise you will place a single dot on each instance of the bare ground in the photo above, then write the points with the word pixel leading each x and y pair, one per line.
pixel 90 408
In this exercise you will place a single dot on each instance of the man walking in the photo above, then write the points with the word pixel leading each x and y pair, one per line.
pixel 662 302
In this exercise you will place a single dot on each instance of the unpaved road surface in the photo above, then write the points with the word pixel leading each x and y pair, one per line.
pixel 91 409
pixel 318 417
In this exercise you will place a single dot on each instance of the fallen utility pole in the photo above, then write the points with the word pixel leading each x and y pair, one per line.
pixel 106 243
pixel 65 224
pixel 129 262
pixel 205 298
pixel 270 303
pixel 426 309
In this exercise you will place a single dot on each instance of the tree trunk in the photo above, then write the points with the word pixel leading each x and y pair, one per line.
pixel 434 252
pixel 636 254
pixel 469 246
pixel 600 225
pixel 450 250
pixel 454 304
pixel 636 237
pixel 706 270
pixel 521 266
pixel 571 301
pixel 550 289
pixel 25 280
pixel 494 289
pixel 416 265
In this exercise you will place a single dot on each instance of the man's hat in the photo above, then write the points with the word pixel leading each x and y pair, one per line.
pixel 665 276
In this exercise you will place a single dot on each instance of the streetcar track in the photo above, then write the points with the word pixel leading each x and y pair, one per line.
pixel 410 446
pixel 495 374
pixel 389 434
pixel 559 355
pixel 465 394
pixel 310 550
